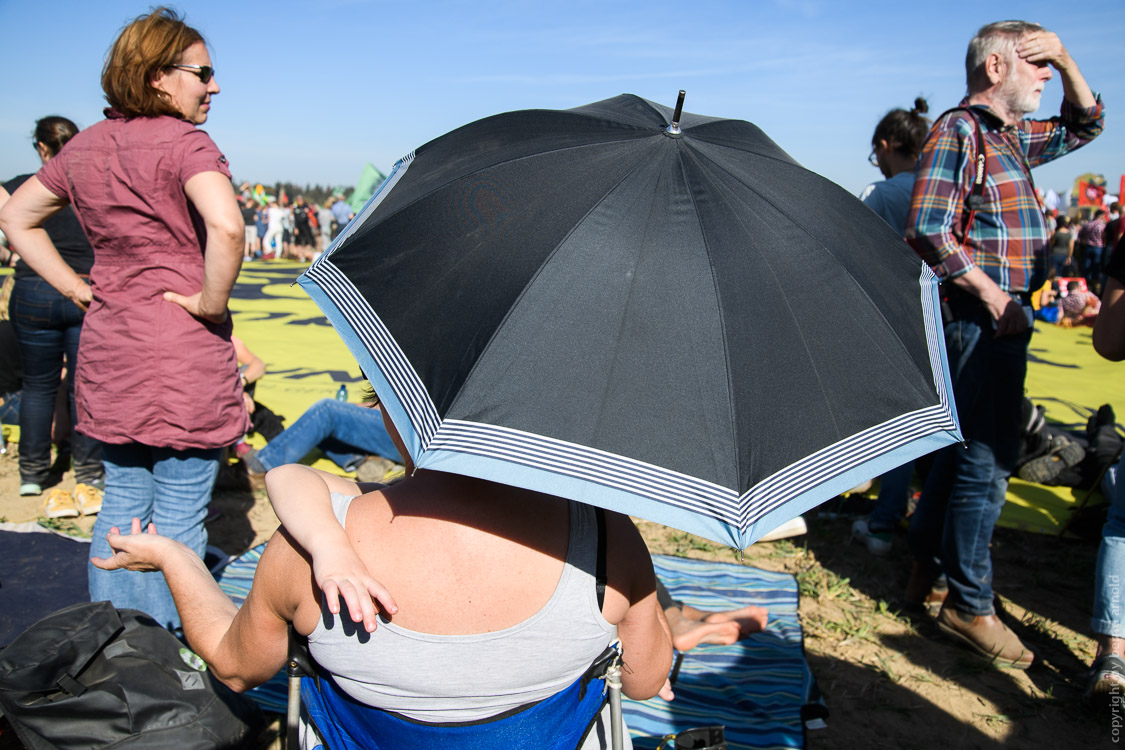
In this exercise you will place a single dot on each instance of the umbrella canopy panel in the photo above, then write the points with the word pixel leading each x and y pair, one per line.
pixel 701 303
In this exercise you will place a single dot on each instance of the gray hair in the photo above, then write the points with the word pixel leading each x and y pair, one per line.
pixel 998 38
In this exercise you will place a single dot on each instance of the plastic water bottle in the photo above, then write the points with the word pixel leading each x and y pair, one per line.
pixel 342 393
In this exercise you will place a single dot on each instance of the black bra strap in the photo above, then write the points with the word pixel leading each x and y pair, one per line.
pixel 599 514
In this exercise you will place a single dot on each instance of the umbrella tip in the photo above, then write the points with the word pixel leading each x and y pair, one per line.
pixel 674 128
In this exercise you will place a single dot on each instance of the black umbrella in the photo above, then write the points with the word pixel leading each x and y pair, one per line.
pixel 676 321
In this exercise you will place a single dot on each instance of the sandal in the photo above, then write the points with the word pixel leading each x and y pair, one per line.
pixel 1107 677
pixel 59 504
pixel 88 499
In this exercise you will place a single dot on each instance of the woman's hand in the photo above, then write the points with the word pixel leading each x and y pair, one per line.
pixel 339 572
pixel 197 307
pixel 81 295
pixel 136 551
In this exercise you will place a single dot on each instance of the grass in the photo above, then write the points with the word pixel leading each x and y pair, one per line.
pixel 63 526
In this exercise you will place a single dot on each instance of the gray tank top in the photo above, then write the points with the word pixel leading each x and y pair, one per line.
pixel 445 678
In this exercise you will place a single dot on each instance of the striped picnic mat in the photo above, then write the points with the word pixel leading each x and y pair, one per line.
pixel 760 688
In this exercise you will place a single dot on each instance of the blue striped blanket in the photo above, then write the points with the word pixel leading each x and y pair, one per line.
pixel 760 688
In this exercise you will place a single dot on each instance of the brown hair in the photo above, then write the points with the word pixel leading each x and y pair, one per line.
pixel 905 130
pixel 53 132
pixel 142 49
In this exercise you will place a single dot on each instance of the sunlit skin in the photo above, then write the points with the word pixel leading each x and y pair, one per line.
pixel 191 96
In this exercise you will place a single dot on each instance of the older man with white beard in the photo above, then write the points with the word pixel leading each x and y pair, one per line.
pixel 987 243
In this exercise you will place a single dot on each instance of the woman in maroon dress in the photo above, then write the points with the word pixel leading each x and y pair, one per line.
pixel 157 378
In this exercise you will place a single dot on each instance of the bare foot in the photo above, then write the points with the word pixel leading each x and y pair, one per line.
pixel 687 633
pixel 750 619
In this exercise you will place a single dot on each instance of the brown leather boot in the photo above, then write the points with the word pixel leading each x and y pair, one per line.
pixel 986 635
pixel 923 593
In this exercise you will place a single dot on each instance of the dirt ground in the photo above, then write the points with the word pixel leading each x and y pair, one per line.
pixel 890 678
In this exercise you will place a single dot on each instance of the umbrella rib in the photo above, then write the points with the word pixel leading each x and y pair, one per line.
pixel 542 266
pixel 718 165
pixel 732 411
pixel 765 258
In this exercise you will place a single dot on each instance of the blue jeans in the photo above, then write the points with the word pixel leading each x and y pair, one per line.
pixel 10 409
pixel 347 434
pixel 1092 264
pixel 47 326
pixel 1109 579
pixel 893 489
pixel 952 527
pixel 171 489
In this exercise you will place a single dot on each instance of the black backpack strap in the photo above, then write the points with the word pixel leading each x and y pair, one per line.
pixel 980 169
pixel 600 577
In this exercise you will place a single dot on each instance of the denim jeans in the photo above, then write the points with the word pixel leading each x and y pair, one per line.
pixel 893 489
pixel 47 326
pixel 171 489
pixel 1109 578
pixel 1092 264
pixel 965 490
pixel 10 409
pixel 347 433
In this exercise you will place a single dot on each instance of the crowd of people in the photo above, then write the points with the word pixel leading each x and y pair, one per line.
pixel 156 388
pixel 297 230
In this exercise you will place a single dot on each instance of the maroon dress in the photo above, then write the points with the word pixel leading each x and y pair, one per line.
pixel 148 371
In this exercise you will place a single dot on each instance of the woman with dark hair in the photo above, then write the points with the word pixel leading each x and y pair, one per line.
pixel 895 146
pixel 1062 245
pixel 157 378
pixel 47 326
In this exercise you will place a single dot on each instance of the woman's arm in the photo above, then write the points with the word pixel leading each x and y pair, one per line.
pixel 255 367
pixel 646 639
pixel 301 498
pixel 21 219
pixel 213 197
pixel 243 646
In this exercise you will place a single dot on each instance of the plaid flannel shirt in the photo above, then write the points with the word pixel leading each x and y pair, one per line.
pixel 1008 238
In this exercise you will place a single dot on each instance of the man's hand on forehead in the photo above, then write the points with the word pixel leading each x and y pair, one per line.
pixel 1043 46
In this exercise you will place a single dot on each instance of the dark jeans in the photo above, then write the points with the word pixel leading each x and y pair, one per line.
pixel 965 490
pixel 47 327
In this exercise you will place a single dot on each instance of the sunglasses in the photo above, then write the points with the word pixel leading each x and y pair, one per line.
pixel 205 72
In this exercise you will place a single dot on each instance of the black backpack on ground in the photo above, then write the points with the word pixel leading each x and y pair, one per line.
pixel 91 676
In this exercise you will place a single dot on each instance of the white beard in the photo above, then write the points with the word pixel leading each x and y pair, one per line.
pixel 1020 101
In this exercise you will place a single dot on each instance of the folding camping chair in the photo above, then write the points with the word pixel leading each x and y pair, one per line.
pixel 300 664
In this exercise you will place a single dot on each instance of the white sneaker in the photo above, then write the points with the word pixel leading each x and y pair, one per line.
pixel 878 542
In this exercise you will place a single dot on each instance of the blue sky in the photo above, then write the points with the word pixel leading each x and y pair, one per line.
pixel 313 90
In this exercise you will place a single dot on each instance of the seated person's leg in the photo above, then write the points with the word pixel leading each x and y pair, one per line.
pixel 691 627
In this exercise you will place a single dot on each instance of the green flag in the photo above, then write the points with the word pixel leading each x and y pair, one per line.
pixel 369 181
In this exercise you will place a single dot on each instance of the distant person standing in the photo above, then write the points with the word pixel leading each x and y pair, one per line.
pixel 343 213
pixel 1092 239
pixel 157 376
pixel 47 326
pixel 325 220
pixel 988 247
pixel 275 231
pixel 250 243
pixel 895 146
pixel 1062 245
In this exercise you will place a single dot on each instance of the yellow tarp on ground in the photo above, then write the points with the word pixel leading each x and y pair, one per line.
pixel 1066 377
pixel 305 359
